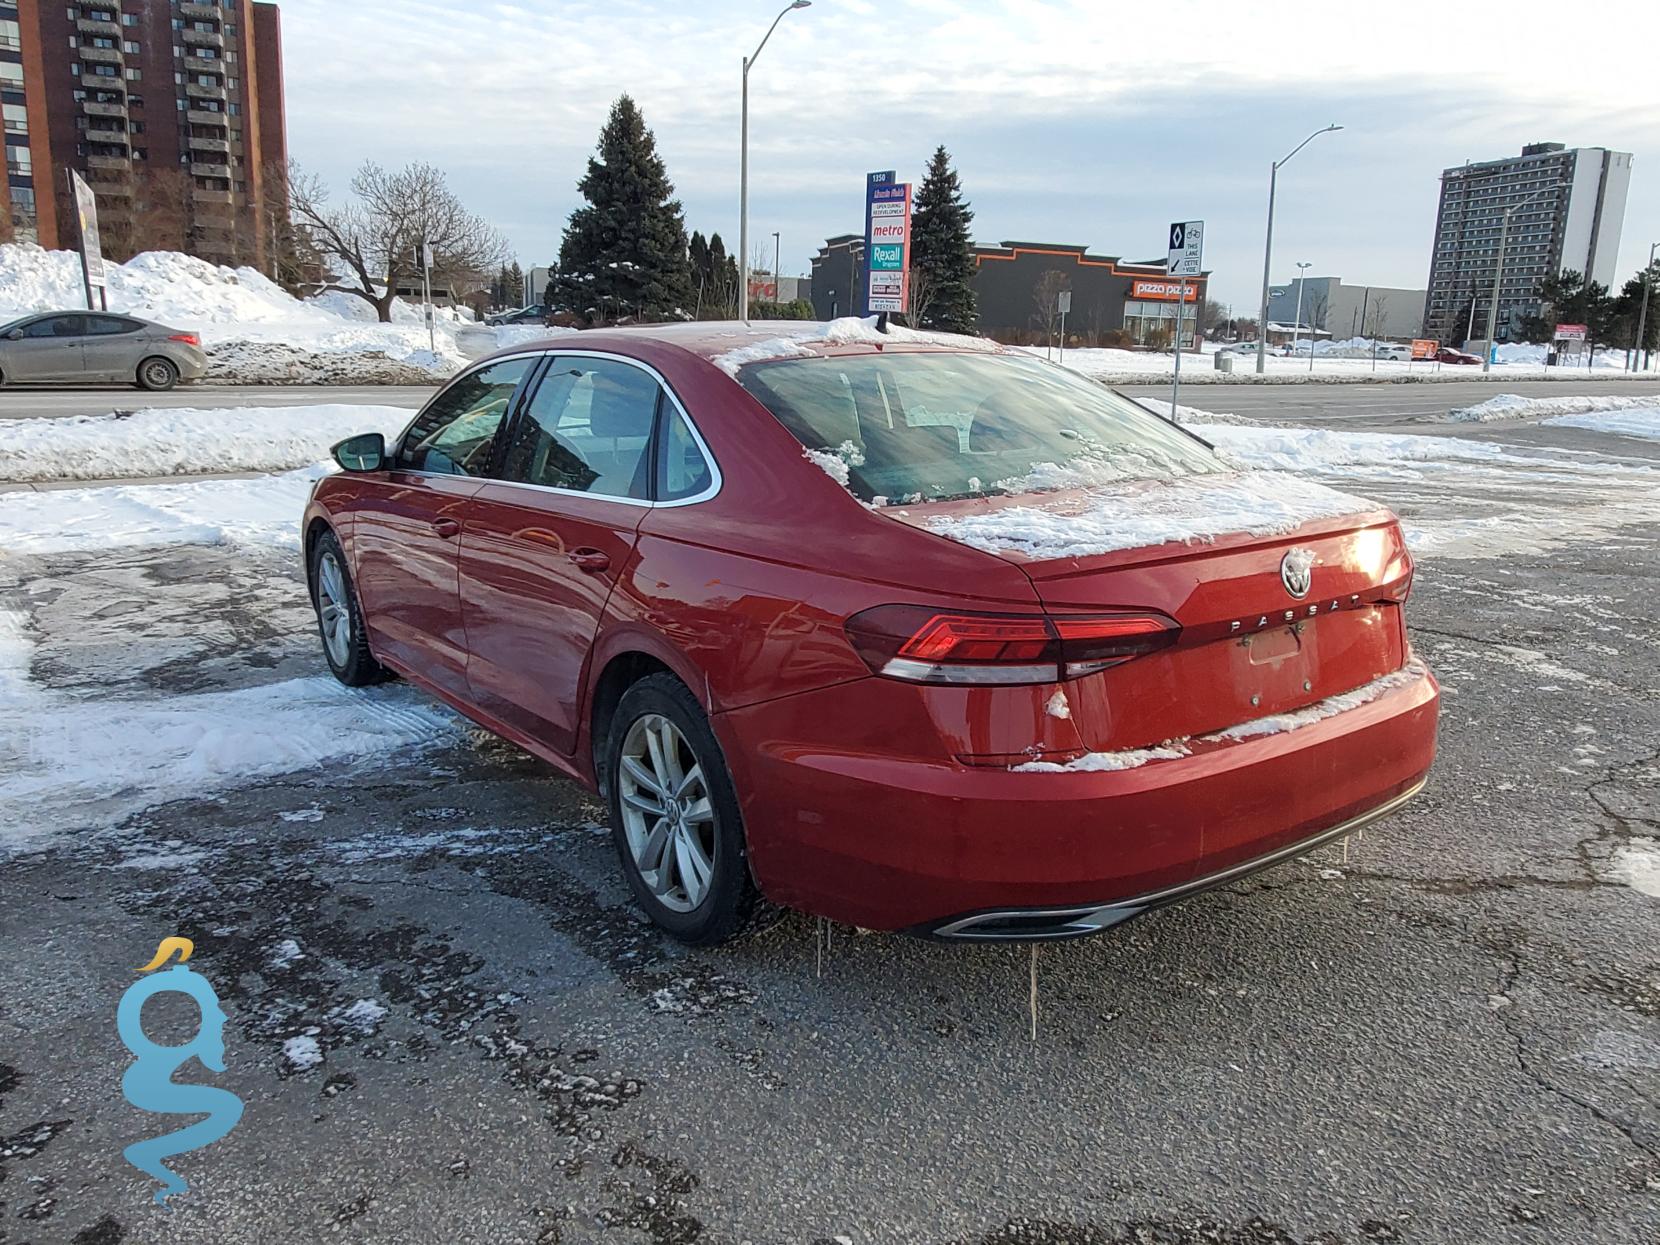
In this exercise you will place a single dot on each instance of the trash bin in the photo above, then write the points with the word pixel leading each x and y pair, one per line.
pixel 1224 361
pixel 1550 358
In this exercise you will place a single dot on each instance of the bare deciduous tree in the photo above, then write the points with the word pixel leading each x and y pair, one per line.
pixel 373 244
pixel 923 293
pixel 1046 313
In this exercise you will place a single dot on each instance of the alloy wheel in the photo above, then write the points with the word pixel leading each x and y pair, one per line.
pixel 334 609
pixel 667 815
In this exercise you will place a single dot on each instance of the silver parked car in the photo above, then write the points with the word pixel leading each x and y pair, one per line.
pixel 97 347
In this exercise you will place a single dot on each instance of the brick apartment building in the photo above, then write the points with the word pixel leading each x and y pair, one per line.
pixel 172 111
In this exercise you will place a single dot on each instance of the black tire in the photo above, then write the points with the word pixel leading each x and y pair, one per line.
pixel 157 374
pixel 354 665
pixel 732 902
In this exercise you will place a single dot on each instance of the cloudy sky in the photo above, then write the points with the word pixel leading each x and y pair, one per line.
pixel 1092 123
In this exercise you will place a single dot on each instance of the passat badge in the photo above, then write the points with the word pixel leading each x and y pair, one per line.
pixel 1297 572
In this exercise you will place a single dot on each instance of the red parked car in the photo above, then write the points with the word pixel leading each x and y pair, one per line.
pixel 897 630
pixel 1446 354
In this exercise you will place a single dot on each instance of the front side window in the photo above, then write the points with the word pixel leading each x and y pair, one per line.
pixel 932 427
pixel 56 326
pixel 456 433
pixel 587 429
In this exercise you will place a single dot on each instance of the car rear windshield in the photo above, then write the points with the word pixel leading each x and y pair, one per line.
pixel 910 428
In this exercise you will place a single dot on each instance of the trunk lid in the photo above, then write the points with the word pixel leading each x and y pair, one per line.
pixel 1250 645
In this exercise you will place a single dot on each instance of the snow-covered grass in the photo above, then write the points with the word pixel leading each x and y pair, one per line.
pixel 161 441
pixel 1643 423
pixel 253 330
pixel 1509 406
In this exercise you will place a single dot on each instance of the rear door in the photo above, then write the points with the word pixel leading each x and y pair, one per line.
pixel 406 523
pixel 550 535
pixel 49 349
pixel 112 347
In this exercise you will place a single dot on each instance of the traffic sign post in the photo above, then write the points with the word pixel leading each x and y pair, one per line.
pixel 1063 300
pixel 1186 259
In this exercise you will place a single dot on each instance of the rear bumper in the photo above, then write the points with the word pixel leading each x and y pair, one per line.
pixel 886 842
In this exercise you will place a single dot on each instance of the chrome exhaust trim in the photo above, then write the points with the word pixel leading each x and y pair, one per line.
pixel 1054 924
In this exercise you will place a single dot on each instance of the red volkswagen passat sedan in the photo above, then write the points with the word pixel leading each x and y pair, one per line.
pixel 898 630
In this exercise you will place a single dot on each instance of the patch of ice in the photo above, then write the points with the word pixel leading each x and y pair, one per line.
pixel 1636 862
pixel 302 1053
pixel 284 953
pixel 1144 513
pixel 363 1017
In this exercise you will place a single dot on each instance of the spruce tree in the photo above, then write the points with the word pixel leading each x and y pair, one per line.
pixel 723 279
pixel 625 248
pixel 942 250
pixel 514 285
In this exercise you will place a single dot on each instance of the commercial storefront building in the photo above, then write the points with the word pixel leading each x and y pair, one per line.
pixel 1114 301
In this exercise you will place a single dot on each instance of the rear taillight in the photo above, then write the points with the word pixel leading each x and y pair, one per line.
pixel 933 646
pixel 189 339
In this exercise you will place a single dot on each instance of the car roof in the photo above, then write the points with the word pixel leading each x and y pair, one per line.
pixel 710 339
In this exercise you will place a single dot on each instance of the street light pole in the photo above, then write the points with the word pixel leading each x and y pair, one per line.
pixel 1268 245
pixel 1642 312
pixel 1297 323
pixel 1498 276
pixel 743 164
pixel 777 284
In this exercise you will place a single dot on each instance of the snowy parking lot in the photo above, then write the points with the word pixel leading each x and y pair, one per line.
pixel 448 1022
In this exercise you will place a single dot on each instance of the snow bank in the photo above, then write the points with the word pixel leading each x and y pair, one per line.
pixel 262 511
pixel 182 441
pixel 253 330
pixel 1643 423
pixel 1143 513
pixel 1525 353
pixel 1506 406
pixel 1308 449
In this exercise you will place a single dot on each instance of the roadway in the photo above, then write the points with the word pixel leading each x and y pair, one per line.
pixel 43 403
pixel 1385 403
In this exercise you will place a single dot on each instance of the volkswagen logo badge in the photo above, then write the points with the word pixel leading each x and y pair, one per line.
pixel 1297 572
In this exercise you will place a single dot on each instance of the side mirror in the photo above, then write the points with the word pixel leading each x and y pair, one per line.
pixel 16 335
pixel 364 452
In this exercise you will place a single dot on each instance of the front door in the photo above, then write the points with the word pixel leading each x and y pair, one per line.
pixel 406 523
pixel 548 539
pixel 49 349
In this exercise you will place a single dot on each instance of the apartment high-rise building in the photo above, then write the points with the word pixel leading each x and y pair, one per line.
pixel 171 109
pixel 1572 224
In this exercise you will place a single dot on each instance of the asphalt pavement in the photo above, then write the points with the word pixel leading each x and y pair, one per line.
pixel 1446 1031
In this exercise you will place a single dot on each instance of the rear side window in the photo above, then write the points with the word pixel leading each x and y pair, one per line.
pixel 456 433
pixel 682 469
pixel 587 428
pixel 932 427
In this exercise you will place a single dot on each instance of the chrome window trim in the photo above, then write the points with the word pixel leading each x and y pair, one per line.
pixel 715 477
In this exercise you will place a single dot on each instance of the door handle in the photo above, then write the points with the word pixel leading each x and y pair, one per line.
pixel 446 527
pixel 590 560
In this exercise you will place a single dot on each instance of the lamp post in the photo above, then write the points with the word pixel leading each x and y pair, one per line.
pixel 1498 275
pixel 1642 312
pixel 777 284
pixel 1297 320
pixel 1268 244
pixel 743 163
